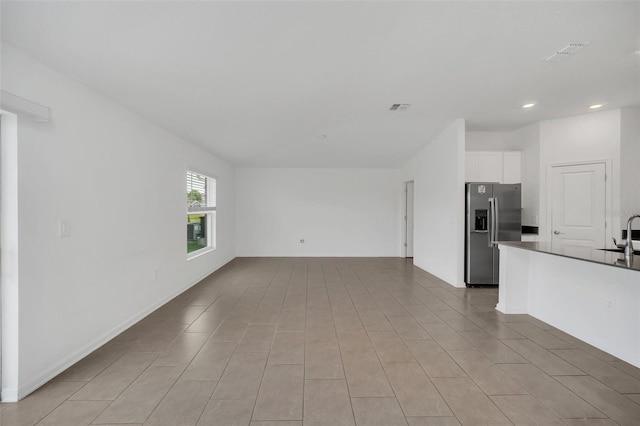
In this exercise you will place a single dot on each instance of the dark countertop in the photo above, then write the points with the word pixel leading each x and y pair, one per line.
pixel 577 252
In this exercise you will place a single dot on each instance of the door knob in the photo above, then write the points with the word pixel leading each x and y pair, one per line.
pixel 556 232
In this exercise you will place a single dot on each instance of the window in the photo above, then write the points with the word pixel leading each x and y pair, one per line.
pixel 201 213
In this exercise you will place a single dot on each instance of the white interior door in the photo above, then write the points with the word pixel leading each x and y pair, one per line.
pixel 408 219
pixel 578 205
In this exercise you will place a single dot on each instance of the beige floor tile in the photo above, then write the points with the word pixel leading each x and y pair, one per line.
pixel 138 401
pixel 354 340
pixel 634 397
pixel 288 348
pixel 231 330
pixel 415 392
pixel 631 370
pixel 227 412
pixel 422 314
pixel 468 402
pixel 95 363
pixel 590 422
pixel 552 394
pixel 185 314
pixel 374 320
pixel 602 371
pixel 389 347
pixel 207 322
pixel 112 381
pixel 242 377
pixel 494 349
pixel 74 413
pixel 487 375
pixel 183 405
pixel 267 314
pixel 447 337
pixel 327 403
pixel 39 404
pixel 490 324
pixel 601 355
pixel 322 356
pixel 458 321
pixel 257 338
pixel 525 410
pixel 365 375
pixel 408 328
pixel 541 337
pixel 542 358
pixel 292 320
pixel 434 360
pixel 433 421
pixel 280 395
pixel 378 412
pixel 611 403
pixel 303 317
pixel 182 350
pixel 210 362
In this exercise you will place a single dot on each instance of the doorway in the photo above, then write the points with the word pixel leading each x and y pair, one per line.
pixel 578 200
pixel 408 219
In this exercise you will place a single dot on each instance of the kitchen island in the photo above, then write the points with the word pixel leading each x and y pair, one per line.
pixel 591 294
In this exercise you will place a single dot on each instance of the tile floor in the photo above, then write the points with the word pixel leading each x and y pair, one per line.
pixel 370 341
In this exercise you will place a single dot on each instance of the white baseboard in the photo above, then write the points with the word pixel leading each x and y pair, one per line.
pixel 13 395
pixel 9 395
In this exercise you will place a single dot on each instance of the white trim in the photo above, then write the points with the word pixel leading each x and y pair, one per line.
pixel 76 356
pixel 24 107
pixel 198 253
pixel 9 242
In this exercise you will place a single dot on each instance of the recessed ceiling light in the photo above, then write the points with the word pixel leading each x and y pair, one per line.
pixel 596 106
pixel 528 105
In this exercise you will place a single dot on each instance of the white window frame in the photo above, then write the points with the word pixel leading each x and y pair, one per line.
pixel 211 217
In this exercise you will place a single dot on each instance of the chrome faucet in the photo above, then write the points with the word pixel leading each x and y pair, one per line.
pixel 628 248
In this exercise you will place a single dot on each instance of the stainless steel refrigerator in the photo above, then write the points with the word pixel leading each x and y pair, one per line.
pixel 493 214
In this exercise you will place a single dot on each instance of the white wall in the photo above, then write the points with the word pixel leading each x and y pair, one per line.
pixel 438 173
pixel 630 165
pixel 119 181
pixel 490 141
pixel 338 212
pixel 587 137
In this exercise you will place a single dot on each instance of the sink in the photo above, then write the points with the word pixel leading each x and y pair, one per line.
pixel 617 250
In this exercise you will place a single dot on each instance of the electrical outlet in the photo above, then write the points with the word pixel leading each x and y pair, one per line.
pixel 610 303
pixel 154 275
pixel 302 241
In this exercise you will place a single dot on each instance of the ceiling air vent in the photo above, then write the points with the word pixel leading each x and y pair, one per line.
pixel 566 51
pixel 399 107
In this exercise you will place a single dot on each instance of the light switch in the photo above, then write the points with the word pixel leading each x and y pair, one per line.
pixel 64 229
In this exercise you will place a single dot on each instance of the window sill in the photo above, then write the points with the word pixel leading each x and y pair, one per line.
pixel 199 253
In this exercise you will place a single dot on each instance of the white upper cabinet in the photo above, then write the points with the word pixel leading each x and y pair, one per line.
pixel 489 167
pixel 511 167
pixel 492 166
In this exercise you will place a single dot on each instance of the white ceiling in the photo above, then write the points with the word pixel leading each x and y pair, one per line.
pixel 259 83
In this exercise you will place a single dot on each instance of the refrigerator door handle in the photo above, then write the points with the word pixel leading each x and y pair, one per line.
pixel 490 223
pixel 496 215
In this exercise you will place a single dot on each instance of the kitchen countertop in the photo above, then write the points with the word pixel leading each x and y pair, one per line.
pixel 577 252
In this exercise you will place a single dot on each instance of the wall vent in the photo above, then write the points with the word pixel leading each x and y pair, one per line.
pixel 567 50
pixel 399 107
